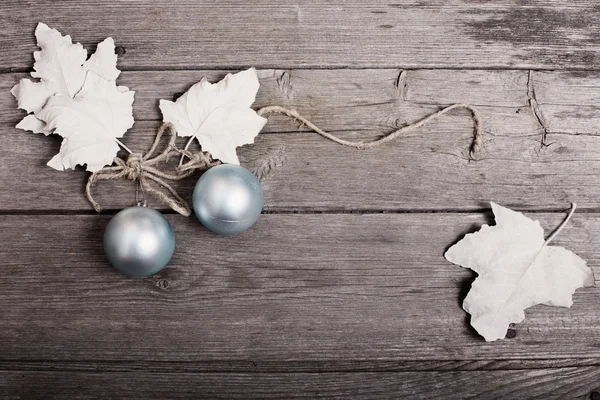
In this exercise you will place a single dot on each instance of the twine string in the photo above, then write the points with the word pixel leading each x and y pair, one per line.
pixel 143 169
pixel 476 145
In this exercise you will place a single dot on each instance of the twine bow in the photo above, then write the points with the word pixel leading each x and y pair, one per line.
pixel 142 168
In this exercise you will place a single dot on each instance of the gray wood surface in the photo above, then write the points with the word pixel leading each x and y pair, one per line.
pixel 341 289
pixel 567 383
pixel 342 33
pixel 336 287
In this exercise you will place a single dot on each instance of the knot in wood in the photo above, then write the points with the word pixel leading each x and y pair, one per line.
pixel 134 166
pixel 163 284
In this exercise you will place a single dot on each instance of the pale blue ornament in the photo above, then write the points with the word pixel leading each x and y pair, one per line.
pixel 139 241
pixel 228 199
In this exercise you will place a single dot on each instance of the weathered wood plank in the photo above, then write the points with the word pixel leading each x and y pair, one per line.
pixel 329 96
pixel 374 99
pixel 571 383
pixel 315 174
pixel 326 288
pixel 569 102
pixel 459 33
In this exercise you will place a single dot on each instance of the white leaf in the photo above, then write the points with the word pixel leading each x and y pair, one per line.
pixel 516 270
pixel 61 67
pixel 33 124
pixel 104 61
pixel 90 123
pixel 218 115
pixel 58 64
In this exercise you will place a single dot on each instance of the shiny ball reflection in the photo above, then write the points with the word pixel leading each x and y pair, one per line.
pixel 139 241
pixel 228 199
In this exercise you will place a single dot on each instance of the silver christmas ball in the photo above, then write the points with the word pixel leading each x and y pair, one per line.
pixel 228 199
pixel 139 241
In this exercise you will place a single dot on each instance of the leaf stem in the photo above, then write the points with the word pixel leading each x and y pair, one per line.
pixel 185 148
pixel 562 225
pixel 123 146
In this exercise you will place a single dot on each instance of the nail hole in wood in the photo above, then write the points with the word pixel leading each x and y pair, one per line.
pixel 511 333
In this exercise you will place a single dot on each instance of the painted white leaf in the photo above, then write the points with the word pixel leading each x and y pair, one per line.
pixel 516 270
pixel 33 124
pixel 218 115
pixel 90 123
pixel 61 67
pixel 104 61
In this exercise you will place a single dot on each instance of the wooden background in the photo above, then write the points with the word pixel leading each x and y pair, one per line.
pixel 341 289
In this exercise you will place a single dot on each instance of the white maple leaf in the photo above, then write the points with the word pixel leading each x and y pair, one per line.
pixel 61 67
pixel 33 124
pixel 516 269
pixel 218 115
pixel 90 123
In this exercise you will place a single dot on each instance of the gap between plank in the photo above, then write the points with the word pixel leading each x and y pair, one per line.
pixel 14 70
pixel 297 366
pixel 308 211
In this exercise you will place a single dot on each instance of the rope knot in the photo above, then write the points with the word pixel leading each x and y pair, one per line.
pixel 134 166
pixel 201 160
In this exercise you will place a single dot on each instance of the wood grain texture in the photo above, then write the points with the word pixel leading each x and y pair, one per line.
pixel 563 383
pixel 289 34
pixel 334 289
pixel 354 302
pixel 528 162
